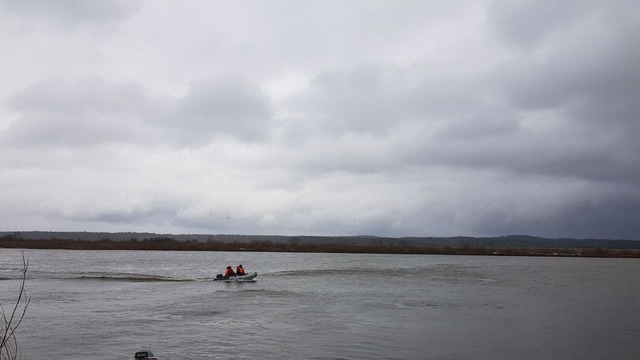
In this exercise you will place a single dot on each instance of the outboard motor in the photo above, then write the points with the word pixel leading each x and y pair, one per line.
pixel 144 355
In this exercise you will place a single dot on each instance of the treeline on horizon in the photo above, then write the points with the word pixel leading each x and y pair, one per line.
pixel 511 246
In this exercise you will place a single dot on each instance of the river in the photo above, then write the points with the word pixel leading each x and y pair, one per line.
pixel 109 304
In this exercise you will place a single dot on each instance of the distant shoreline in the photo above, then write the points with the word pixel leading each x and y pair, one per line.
pixel 168 244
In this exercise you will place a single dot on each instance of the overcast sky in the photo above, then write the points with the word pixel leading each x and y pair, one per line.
pixel 390 118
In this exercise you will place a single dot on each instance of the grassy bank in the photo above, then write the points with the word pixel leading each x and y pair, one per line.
pixel 168 244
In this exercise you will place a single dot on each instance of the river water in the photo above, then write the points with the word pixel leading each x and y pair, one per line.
pixel 109 304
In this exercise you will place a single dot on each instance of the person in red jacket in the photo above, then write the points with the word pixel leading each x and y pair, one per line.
pixel 240 270
pixel 229 272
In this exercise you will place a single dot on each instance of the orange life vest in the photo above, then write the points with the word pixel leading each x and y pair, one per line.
pixel 240 270
pixel 228 272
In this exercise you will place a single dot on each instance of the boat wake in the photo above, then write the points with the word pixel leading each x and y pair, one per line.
pixel 127 277
pixel 333 272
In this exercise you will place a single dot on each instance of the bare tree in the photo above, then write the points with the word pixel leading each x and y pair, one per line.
pixel 9 321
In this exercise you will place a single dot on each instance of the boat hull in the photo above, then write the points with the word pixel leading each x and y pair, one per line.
pixel 241 278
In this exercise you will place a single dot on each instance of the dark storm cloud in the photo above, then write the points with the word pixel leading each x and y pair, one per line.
pixel 589 80
pixel 589 77
pixel 562 108
pixel 470 121
pixel 610 217
pixel 570 113
pixel 589 70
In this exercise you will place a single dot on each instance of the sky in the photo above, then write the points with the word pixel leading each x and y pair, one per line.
pixel 357 117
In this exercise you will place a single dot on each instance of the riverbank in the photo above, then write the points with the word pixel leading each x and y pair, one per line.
pixel 168 244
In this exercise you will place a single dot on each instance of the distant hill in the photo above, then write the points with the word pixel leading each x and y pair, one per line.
pixel 510 241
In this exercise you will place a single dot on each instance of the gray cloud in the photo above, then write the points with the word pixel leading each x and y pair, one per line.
pixel 610 217
pixel 72 12
pixel 411 119
pixel 224 106
pixel 89 111
pixel 519 21
pixel 78 113
pixel 79 95
pixel 590 83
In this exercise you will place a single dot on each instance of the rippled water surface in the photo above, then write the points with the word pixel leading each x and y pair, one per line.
pixel 108 304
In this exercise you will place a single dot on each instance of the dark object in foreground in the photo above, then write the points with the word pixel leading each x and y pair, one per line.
pixel 9 321
pixel 144 355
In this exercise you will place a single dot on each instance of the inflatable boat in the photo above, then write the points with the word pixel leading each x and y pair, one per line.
pixel 247 277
